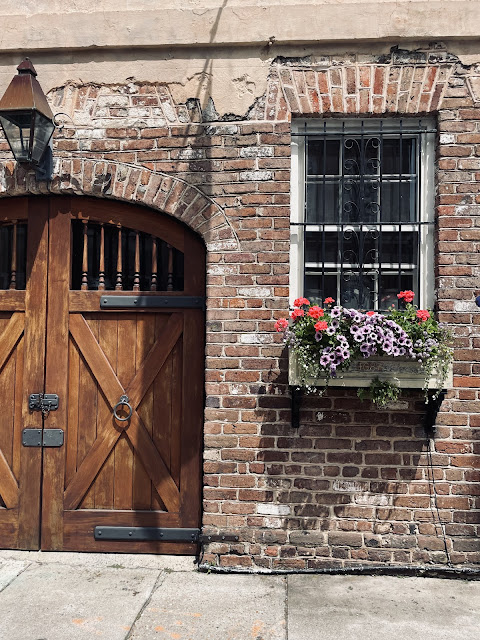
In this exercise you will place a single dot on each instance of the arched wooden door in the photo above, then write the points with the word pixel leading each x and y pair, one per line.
pixel 101 303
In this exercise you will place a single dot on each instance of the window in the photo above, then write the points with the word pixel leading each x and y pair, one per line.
pixel 362 211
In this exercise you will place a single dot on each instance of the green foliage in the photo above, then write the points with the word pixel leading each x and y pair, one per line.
pixel 380 392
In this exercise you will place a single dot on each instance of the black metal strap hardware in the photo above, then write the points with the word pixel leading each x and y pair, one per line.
pixel 42 437
pixel 160 534
pixel 44 402
pixel 152 302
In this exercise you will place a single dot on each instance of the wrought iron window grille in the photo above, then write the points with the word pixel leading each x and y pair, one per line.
pixel 364 222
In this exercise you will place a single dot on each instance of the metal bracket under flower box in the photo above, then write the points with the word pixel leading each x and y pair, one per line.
pixel 407 374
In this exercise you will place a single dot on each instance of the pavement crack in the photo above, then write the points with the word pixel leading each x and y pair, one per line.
pixel 286 607
pixel 15 577
pixel 158 583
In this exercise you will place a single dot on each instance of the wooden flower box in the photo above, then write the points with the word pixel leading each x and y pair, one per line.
pixel 405 373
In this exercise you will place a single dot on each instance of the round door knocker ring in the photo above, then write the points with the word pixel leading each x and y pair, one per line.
pixel 123 402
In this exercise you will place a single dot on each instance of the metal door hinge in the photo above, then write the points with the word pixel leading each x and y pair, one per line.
pixel 42 437
pixel 160 534
pixel 44 402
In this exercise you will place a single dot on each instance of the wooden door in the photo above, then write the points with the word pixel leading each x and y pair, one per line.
pixel 144 471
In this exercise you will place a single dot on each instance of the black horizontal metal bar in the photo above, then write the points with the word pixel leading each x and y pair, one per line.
pixel 152 302
pixel 160 534
pixel 147 533
pixel 370 225
pixel 357 134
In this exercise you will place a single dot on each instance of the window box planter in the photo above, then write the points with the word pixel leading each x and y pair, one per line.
pixel 405 373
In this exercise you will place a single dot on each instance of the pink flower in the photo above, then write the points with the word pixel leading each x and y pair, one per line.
pixel 315 312
pixel 281 324
pixel 321 326
pixel 297 313
pixel 407 296
pixel 329 300
pixel 299 302
pixel 423 315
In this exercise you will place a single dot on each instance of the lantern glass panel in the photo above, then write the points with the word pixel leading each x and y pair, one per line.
pixel 17 127
pixel 41 137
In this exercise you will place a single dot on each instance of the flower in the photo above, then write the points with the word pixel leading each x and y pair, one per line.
pixel 299 302
pixel 281 324
pixel 320 326
pixel 326 342
pixel 407 296
pixel 315 312
pixel 297 313
pixel 423 315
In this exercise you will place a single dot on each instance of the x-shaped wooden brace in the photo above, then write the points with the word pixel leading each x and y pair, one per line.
pixel 8 340
pixel 136 431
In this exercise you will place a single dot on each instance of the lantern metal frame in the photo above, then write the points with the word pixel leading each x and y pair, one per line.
pixel 27 121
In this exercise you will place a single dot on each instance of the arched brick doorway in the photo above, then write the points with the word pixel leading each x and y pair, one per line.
pixel 99 300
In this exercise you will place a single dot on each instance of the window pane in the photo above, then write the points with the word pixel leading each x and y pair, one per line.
pixel 357 290
pixel 322 202
pixel 399 156
pixel 391 284
pixel 318 287
pixel 323 157
pixel 399 247
pixel 360 201
pixel 399 201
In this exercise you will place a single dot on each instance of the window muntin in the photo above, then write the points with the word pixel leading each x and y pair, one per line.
pixel 362 216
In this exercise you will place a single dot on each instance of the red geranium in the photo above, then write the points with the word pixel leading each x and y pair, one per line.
pixel 321 326
pixel 407 296
pixel 297 313
pixel 329 300
pixel 370 313
pixel 281 324
pixel 423 315
pixel 299 302
pixel 315 312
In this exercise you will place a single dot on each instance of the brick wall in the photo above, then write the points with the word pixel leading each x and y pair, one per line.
pixel 353 484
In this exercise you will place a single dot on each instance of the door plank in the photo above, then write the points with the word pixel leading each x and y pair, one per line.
pixel 103 484
pixel 89 468
pixel 124 453
pixel 56 370
pixel 153 463
pixel 33 374
pixel 95 358
pixel 10 336
pixel 8 484
pixel 155 359
pixel 88 397
pixel 71 442
pixel 137 434
pixel 192 424
pixel 19 399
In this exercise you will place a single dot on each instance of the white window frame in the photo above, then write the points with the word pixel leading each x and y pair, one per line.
pixel 426 201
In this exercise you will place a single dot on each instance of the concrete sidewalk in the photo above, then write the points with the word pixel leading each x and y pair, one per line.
pixel 70 596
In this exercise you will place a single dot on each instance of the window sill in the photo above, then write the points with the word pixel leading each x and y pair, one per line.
pixel 405 373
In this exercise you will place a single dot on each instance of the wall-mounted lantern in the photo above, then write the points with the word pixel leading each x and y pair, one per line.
pixel 27 120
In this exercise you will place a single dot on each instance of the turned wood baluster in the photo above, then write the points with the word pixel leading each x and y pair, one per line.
pixel 101 269
pixel 170 268
pixel 13 273
pixel 154 281
pixel 136 275
pixel 119 280
pixel 84 285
